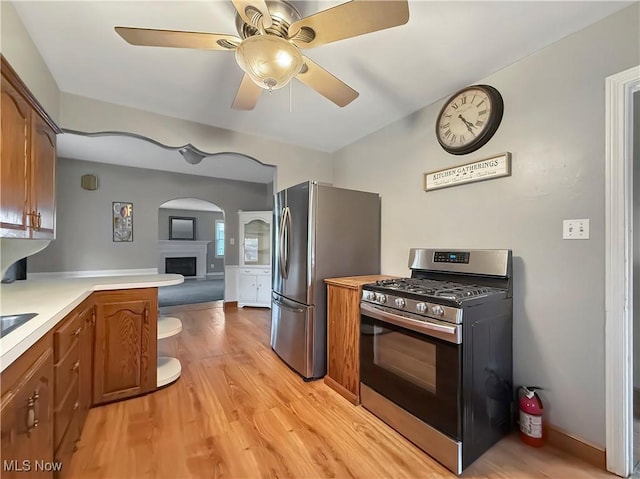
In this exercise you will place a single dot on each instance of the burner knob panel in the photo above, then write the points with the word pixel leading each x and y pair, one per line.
pixel 437 310
pixel 381 298
pixel 421 307
pixel 399 302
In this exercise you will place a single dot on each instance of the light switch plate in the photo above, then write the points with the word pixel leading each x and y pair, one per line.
pixel 575 229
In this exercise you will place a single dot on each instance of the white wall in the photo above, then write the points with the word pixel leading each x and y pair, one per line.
pixel 636 242
pixel 295 164
pixel 21 53
pixel 554 126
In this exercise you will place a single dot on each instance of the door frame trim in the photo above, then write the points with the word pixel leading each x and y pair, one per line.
pixel 619 269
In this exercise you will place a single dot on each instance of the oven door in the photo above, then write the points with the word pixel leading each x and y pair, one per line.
pixel 414 364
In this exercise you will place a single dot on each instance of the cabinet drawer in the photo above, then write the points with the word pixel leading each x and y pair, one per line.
pixel 68 444
pixel 66 371
pixel 64 414
pixel 65 335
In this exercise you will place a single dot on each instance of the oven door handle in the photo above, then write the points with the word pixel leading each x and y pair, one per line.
pixel 452 334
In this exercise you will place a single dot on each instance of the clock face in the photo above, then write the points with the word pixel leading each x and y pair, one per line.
pixel 469 119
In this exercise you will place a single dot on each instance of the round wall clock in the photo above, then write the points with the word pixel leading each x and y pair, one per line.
pixel 469 119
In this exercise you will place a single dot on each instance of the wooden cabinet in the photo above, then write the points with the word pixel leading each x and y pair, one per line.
pixel 87 321
pixel 43 178
pixel 343 334
pixel 254 277
pixel 27 417
pixel 125 344
pixel 72 353
pixel 27 162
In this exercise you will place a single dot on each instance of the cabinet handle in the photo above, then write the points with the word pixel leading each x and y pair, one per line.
pixel 76 405
pixel 36 220
pixel 32 420
pixel 39 221
pixel 76 333
pixel 76 366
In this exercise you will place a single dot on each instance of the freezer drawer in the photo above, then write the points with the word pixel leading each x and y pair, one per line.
pixel 292 333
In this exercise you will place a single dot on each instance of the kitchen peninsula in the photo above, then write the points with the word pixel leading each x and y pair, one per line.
pixel 92 341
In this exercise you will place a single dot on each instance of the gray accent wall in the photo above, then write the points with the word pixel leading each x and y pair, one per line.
pixel 205 231
pixel 83 230
pixel 554 126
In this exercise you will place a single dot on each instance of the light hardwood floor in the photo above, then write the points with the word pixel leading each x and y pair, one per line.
pixel 239 411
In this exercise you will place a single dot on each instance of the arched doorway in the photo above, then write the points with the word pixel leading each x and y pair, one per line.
pixel 191 242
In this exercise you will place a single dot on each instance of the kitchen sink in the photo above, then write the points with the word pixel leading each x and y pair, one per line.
pixel 10 322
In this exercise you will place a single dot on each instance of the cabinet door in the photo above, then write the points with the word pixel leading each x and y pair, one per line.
pixel 125 344
pixel 27 423
pixel 255 238
pixel 14 159
pixel 247 287
pixel 43 179
pixel 87 318
pixel 264 288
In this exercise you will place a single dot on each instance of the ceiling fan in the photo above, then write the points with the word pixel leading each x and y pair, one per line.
pixel 271 34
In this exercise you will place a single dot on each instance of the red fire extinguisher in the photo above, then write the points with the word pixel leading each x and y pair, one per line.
pixel 531 427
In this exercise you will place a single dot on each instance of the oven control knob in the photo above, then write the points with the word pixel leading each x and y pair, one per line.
pixel 399 302
pixel 421 307
pixel 437 310
pixel 368 296
pixel 381 298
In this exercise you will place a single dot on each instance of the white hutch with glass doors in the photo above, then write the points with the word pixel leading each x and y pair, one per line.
pixel 254 277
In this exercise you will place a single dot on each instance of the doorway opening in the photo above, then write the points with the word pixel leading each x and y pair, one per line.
pixel 191 243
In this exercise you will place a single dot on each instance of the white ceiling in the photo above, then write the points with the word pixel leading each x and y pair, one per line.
pixel 443 47
pixel 136 152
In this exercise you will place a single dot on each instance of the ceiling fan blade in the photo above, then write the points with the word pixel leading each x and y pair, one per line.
pixel 326 84
pixel 347 20
pixel 247 95
pixel 177 39
pixel 260 5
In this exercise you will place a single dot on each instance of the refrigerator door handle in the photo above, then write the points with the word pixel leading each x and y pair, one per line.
pixel 281 259
pixel 287 247
pixel 284 306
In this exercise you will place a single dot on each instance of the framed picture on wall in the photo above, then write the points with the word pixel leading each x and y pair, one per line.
pixel 122 213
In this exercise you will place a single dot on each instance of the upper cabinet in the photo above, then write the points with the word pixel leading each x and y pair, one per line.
pixel 27 162
pixel 255 238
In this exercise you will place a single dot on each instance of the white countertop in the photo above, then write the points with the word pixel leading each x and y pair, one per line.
pixel 53 299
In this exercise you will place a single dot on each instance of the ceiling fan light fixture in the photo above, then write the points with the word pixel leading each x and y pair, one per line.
pixel 270 61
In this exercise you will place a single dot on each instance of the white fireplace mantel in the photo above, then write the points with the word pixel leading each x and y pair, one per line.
pixel 181 249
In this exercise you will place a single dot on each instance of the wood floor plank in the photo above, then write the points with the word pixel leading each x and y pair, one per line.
pixel 239 412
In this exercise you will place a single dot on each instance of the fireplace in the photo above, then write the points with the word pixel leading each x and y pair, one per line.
pixel 186 266
pixel 174 249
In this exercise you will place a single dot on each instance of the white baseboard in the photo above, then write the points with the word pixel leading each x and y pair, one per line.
pixel 219 274
pixel 89 274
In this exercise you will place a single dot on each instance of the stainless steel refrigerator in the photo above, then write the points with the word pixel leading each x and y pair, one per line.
pixel 319 232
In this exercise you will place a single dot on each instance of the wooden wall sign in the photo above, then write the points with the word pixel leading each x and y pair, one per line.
pixel 485 169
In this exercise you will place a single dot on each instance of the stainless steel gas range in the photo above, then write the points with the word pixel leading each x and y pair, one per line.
pixel 436 352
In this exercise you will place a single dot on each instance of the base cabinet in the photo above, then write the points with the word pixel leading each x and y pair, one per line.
pixel 72 345
pixel 254 287
pixel 27 414
pixel 124 364
pixel 343 334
